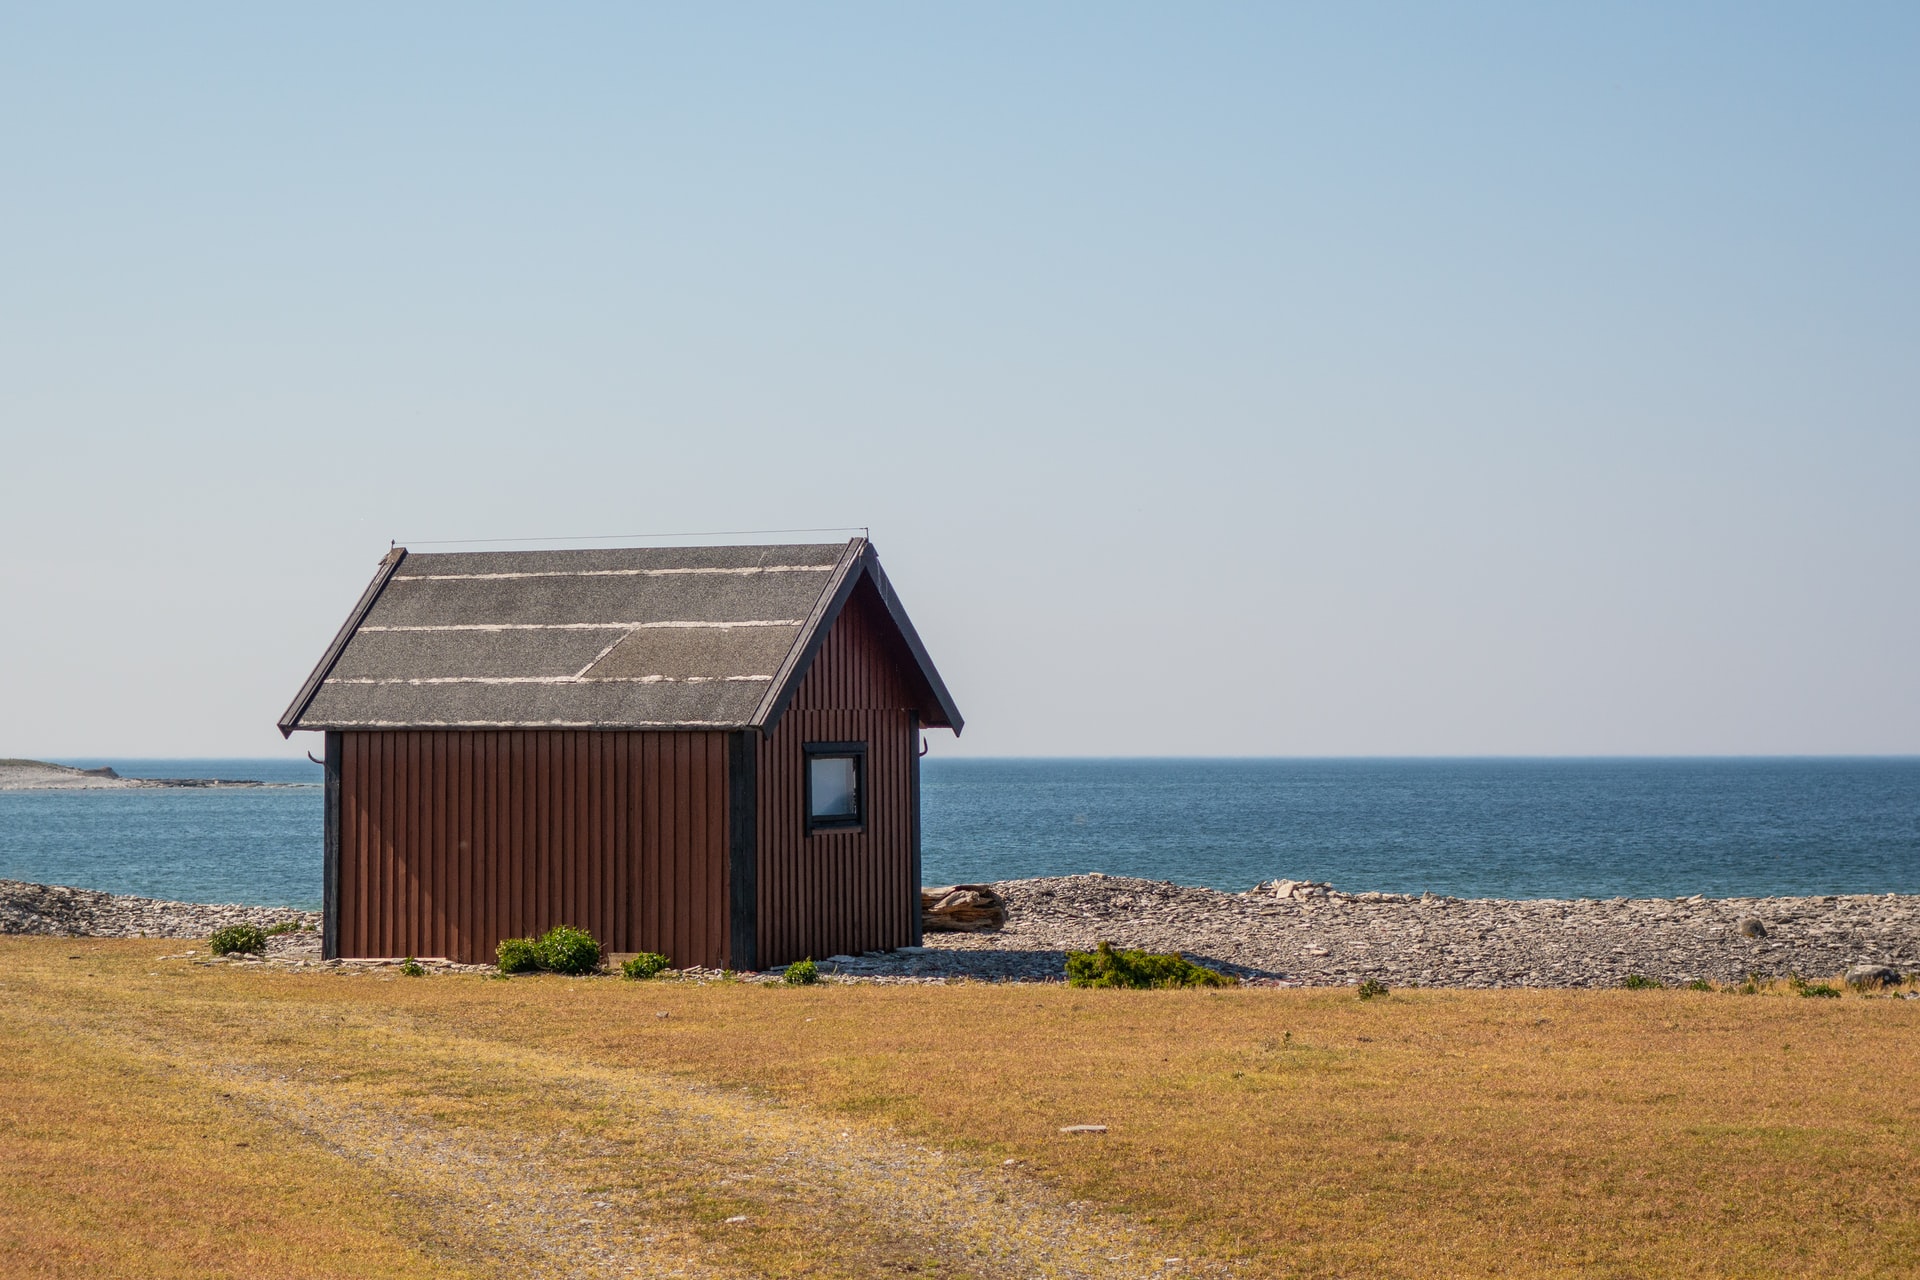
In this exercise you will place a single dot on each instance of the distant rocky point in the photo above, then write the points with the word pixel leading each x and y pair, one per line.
pixel 39 775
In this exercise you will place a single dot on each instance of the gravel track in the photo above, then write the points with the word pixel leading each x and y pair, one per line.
pixel 573 1202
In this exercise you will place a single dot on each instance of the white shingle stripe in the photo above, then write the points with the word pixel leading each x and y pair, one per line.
pixel 586 626
pixel 574 679
pixel 605 649
pixel 606 573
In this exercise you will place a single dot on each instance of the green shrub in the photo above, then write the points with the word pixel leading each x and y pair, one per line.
pixel 1640 982
pixel 1372 987
pixel 1819 990
pixel 238 938
pixel 802 973
pixel 565 949
pixel 518 955
pixel 643 966
pixel 1106 967
pixel 412 968
pixel 561 949
pixel 1699 984
pixel 285 926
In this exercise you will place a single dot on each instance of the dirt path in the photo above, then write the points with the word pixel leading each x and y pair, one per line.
pixel 770 1162
pixel 522 1164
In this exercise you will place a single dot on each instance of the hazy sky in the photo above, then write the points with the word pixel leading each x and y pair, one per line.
pixel 1361 379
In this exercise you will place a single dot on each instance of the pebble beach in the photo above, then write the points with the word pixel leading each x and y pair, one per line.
pixel 1281 933
pixel 1315 935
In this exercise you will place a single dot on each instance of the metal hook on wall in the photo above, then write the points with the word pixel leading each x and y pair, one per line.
pixel 924 745
pixel 321 763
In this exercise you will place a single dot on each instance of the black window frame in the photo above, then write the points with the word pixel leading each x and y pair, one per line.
pixel 857 752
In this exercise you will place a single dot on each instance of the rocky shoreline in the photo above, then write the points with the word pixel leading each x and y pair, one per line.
pixel 1283 933
pixel 89 913
pixel 1312 935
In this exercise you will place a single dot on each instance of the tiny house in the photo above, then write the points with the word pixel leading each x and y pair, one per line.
pixel 708 752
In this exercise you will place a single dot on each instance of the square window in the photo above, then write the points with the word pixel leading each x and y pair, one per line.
pixel 836 787
pixel 835 783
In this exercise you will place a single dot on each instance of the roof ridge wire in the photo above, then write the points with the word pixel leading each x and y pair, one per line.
pixel 604 537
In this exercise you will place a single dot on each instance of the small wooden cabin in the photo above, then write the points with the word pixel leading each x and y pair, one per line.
pixel 708 752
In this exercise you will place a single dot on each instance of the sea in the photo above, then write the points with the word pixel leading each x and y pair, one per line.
pixel 1533 828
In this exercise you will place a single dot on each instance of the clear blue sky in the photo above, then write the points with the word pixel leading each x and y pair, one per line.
pixel 1363 379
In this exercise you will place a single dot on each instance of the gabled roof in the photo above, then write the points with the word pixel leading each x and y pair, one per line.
pixel 628 638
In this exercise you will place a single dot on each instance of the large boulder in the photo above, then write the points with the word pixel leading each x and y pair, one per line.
pixel 1863 976
pixel 962 908
pixel 1293 889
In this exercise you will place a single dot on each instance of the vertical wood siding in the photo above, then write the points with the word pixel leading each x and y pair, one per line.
pixel 841 892
pixel 453 840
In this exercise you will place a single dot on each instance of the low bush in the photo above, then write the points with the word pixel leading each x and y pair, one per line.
pixel 802 973
pixel 561 949
pixel 412 968
pixel 643 966
pixel 565 949
pixel 1106 967
pixel 1640 982
pixel 1373 987
pixel 236 939
pixel 1699 984
pixel 1818 990
pixel 285 926
pixel 518 955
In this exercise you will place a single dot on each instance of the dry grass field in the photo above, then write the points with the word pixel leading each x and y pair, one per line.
pixel 164 1118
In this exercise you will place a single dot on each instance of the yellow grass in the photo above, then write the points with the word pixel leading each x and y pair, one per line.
pixel 1515 1133
pixel 111 1164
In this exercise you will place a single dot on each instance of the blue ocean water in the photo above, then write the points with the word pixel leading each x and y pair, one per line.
pixel 1471 828
pixel 1468 828
pixel 260 847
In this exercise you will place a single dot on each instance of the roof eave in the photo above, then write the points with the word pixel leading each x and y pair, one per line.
pixel 950 713
pixel 502 726
pixel 290 720
pixel 860 560
pixel 833 598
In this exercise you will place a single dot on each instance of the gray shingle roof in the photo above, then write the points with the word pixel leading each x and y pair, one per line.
pixel 631 638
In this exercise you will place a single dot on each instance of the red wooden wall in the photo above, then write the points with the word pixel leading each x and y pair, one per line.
pixel 453 840
pixel 450 840
pixel 836 892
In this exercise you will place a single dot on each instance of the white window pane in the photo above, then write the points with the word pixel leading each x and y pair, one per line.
pixel 832 782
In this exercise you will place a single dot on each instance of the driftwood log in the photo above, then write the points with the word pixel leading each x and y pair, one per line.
pixel 962 908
